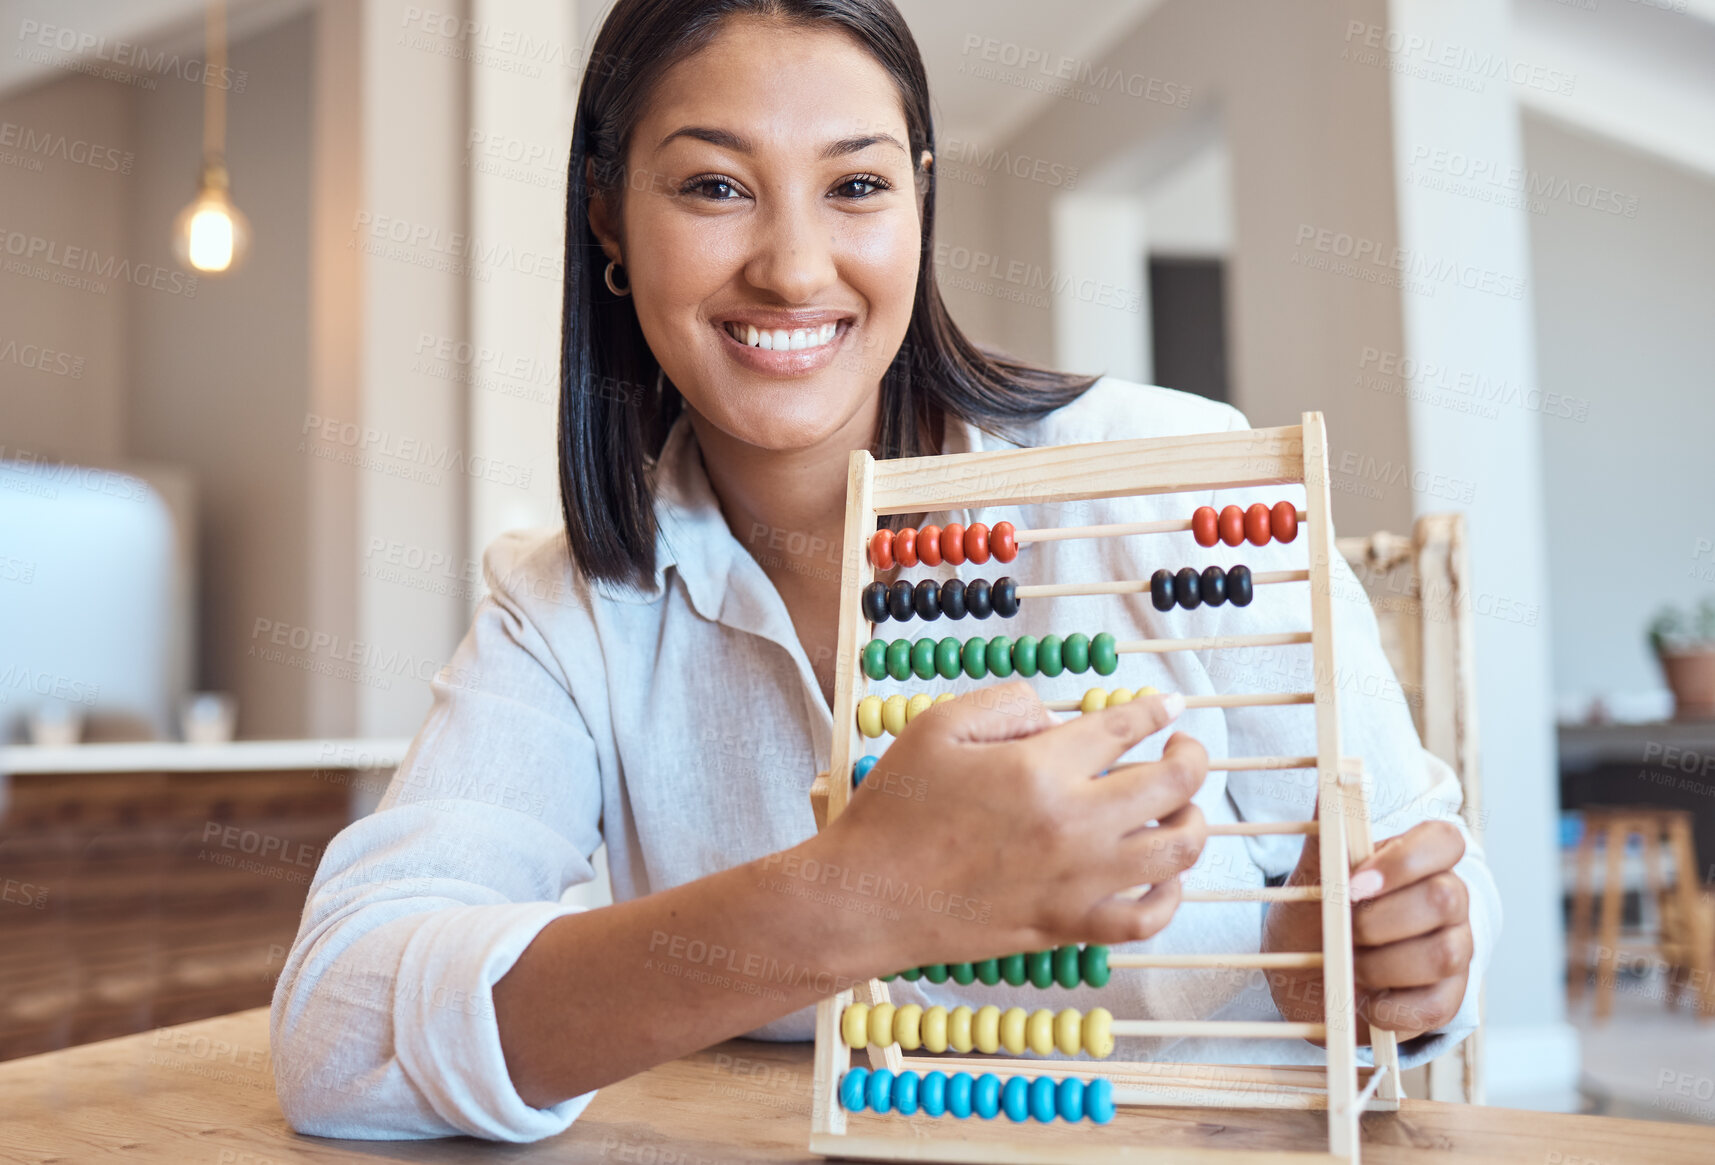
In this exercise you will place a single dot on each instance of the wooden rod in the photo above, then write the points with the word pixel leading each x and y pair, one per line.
pixel 1114 530
pixel 1280 959
pixel 1263 828
pixel 1237 764
pixel 1231 700
pixel 1137 586
pixel 1255 894
pixel 1238 1029
pixel 1212 642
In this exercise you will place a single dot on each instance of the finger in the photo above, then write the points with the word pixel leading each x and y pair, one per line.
pixel 1425 849
pixel 1122 919
pixel 1416 1009
pixel 1090 743
pixel 1146 791
pixel 1417 962
pixel 989 715
pixel 1427 906
pixel 1158 852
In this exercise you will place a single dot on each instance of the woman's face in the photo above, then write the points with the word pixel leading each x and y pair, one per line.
pixel 771 233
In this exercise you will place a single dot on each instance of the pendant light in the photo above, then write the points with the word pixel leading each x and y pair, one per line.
pixel 210 235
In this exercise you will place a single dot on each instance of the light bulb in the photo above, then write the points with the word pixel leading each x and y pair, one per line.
pixel 210 235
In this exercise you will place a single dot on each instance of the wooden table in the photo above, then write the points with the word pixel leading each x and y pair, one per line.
pixel 204 1092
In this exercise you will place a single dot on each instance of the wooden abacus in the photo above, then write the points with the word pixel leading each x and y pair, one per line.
pixel 1044 1090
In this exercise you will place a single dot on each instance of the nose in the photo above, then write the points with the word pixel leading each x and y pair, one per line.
pixel 792 252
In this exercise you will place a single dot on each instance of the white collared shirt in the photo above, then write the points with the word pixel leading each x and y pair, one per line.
pixel 682 726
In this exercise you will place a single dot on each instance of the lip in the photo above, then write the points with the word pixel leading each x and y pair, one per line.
pixel 766 362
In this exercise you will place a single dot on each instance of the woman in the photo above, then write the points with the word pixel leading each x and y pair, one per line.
pixel 750 218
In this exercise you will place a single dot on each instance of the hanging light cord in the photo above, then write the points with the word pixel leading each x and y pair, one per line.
pixel 214 96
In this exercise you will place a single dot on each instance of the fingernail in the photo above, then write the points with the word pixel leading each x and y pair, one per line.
pixel 1366 884
pixel 1174 703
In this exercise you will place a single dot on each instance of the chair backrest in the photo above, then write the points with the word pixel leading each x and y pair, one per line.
pixel 1418 587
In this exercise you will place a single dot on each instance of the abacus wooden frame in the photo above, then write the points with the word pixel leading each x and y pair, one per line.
pixel 1287 455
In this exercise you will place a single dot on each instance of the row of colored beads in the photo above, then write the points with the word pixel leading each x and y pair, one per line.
pixel 1095 699
pixel 1068 966
pixel 988 1029
pixel 891 715
pixel 929 600
pixel 1233 525
pixel 1191 590
pixel 936 1093
pixel 933 545
pixel 1001 656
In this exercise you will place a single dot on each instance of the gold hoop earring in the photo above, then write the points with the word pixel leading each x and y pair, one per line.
pixel 607 277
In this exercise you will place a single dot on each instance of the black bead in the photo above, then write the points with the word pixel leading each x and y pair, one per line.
pixel 1005 597
pixel 953 599
pixel 899 600
pixel 1239 590
pixel 1187 588
pixel 875 602
pixel 927 599
pixel 979 598
pixel 1213 585
pixel 1161 589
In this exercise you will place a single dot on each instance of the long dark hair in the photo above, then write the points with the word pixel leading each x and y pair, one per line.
pixel 615 406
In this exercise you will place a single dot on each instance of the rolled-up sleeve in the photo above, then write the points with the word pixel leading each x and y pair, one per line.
pixel 383 1023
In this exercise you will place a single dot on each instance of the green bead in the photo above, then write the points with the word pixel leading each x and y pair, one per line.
pixel 1000 656
pixel 1104 654
pixel 963 973
pixel 935 972
pixel 1076 653
pixel 976 657
pixel 1093 963
pixel 1024 656
pixel 1048 656
pixel 947 661
pixel 899 659
pixel 1012 969
pixel 988 971
pixel 875 659
pixel 1066 966
pixel 912 975
pixel 1039 968
pixel 890 978
pixel 923 659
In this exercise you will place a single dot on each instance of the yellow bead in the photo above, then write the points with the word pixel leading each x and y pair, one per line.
pixel 869 716
pixel 1120 696
pixel 944 697
pixel 1039 1031
pixel 935 1029
pixel 854 1025
pixel 917 705
pixel 881 1024
pixel 1099 1033
pixel 908 1026
pixel 1012 1022
pixel 1147 690
pixel 985 1031
pixel 1094 700
pixel 959 1030
pixel 893 714
pixel 1068 1031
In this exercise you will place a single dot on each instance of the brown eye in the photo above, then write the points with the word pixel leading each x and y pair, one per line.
pixel 872 182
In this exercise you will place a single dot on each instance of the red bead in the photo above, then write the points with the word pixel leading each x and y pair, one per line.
pixel 1283 519
pixel 1257 522
pixel 881 550
pixel 953 543
pixel 1003 541
pixel 905 547
pixel 977 543
pixel 929 546
pixel 1232 525
pixel 1203 526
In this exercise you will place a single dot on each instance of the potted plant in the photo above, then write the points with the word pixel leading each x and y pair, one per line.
pixel 1685 643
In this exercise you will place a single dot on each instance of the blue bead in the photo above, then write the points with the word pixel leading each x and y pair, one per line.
pixel 959 1089
pixel 986 1096
pixel 905 1093
pixel 933 1094
pixel 1071 1099
pixel 1042 1098
pixel 1015 1098
pixel 881 1090
pixel 1099 1100
pixel 860 770
pixel 852 1089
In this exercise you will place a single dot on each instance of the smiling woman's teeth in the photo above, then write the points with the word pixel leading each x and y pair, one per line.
pixel 780 340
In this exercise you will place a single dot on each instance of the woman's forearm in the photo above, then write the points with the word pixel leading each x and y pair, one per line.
pixel 602 995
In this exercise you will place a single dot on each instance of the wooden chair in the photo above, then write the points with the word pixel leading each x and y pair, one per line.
pixel 1418 588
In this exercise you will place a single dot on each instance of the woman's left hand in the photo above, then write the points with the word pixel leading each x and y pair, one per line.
pixel 1411 934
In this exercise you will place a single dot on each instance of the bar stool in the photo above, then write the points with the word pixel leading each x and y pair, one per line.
pixel 1683 936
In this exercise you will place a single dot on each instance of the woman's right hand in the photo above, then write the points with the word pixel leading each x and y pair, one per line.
pixel 986 829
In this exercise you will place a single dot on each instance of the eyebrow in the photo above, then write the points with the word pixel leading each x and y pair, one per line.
pixel 729 140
